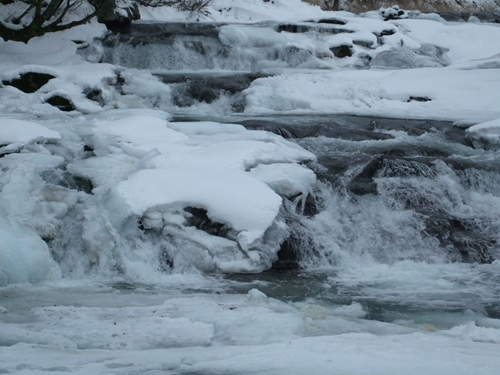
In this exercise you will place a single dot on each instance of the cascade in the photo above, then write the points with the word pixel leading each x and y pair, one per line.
pixel 390 190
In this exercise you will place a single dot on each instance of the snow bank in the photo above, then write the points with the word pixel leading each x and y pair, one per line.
pixel 239 11
pixel 417 93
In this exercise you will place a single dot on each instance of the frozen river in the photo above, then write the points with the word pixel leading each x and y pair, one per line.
pixel 319 195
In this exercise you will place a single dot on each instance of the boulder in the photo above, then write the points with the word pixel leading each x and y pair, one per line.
pixel 61 102
pixel 29 82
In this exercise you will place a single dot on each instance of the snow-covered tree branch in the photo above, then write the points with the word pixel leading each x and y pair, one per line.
pixel 24 19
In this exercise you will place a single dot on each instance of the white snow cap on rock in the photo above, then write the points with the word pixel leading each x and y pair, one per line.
pixel 238 176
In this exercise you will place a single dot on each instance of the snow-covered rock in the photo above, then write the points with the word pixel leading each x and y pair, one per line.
pixel 161 171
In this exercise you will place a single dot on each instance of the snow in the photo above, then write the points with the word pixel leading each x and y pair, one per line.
pixel 286 179
pixel 236 11
pixel 453 93
pixel 250 213
pixel 109 265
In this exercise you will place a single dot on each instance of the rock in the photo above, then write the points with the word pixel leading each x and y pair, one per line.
pixel 288 255
pixel 393 13
pixel 332 21
pixel 385 33
pixel 303 28
pixel 295 56
pixel 364 43
pixel 61 102
pixel 364 60
pixel 419 99
pixel 463 237
pixel 344 50
pixel 198 218
pixel 29 82
pixel 362 183
pixel 95 95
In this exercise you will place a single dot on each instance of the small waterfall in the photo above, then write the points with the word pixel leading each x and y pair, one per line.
pixel 423 198
pixel 390 190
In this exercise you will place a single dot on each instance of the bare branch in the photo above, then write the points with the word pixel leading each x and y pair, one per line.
pixel 51 9
pixel 18 20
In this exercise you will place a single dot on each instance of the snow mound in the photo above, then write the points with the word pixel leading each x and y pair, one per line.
pixel 234 11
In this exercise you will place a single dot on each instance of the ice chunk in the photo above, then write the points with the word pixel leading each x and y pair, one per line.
pixel 23 132
pixel 24 257
pixel 256 295
pixel 205 128
pixel 485 134
pixel 286 179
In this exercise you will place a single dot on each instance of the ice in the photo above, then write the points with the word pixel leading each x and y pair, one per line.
pixel 23 132
pixel 237 176
pixel 141 130
pixel 205 128
pixel 471 331
pixel 121 331
pixel 24 257
pixel 286 179
pixel 485 134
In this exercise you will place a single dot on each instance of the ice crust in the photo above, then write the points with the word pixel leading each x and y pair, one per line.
pixel 238 333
